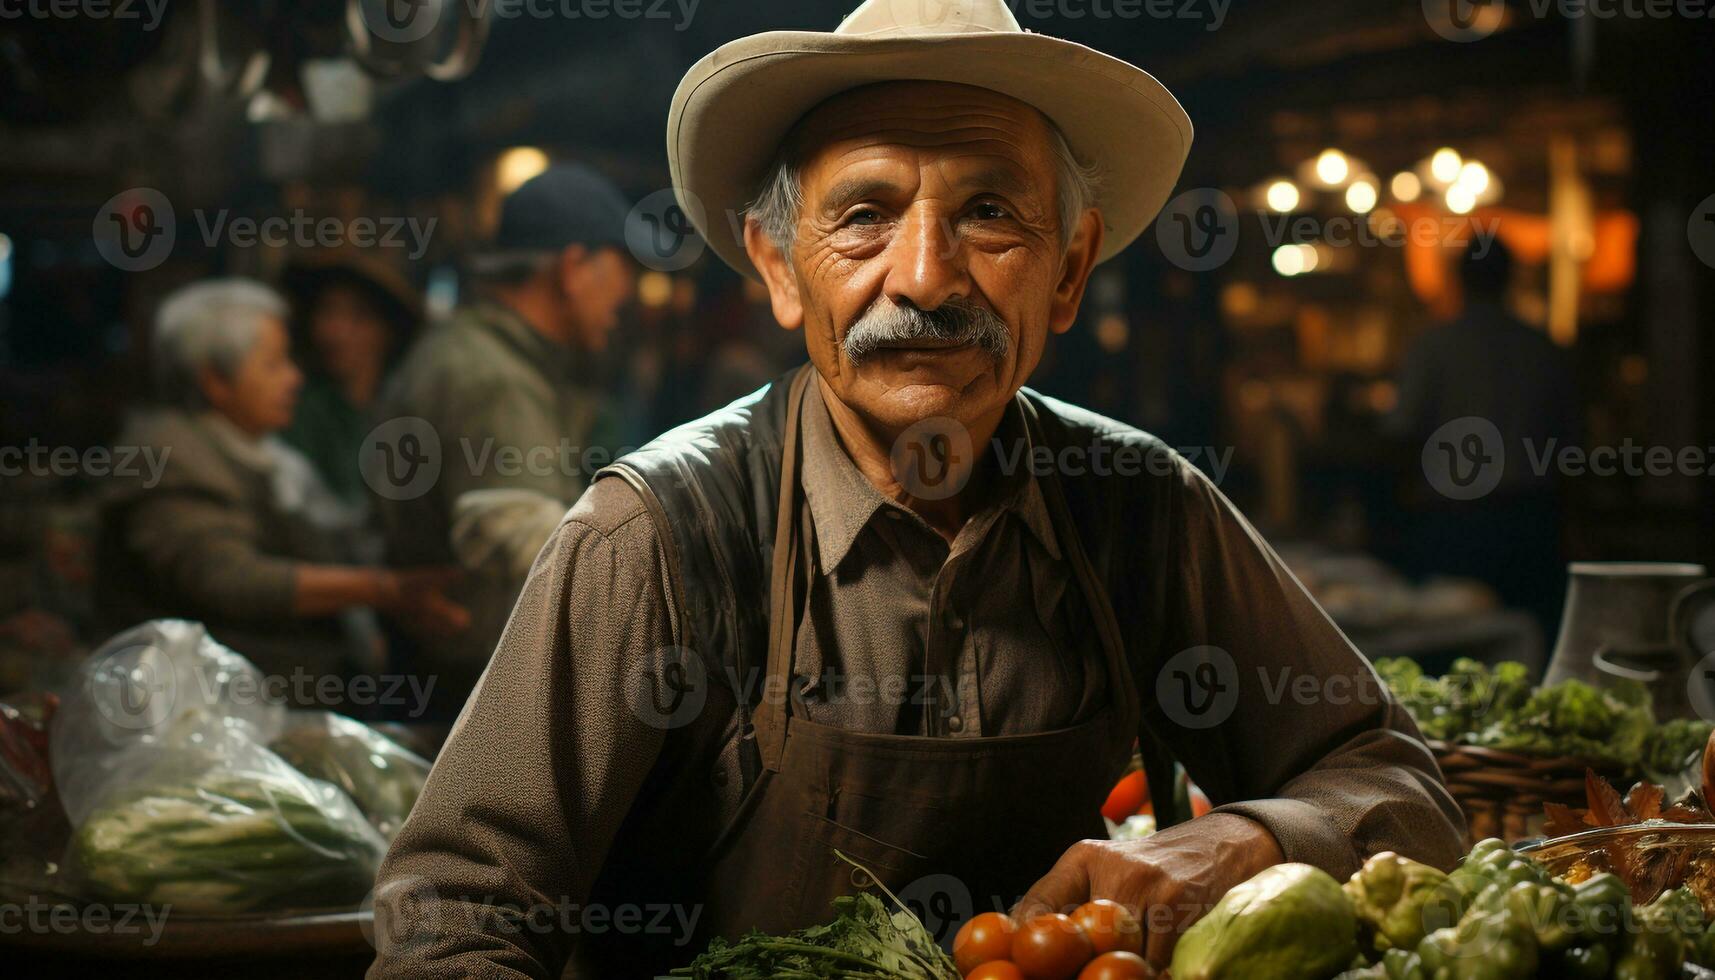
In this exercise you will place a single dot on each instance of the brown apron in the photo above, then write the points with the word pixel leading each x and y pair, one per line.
pixel 992 813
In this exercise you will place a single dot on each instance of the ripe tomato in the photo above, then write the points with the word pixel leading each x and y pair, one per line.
pixel 1199 803
pixel 998 970
pixel 1051 947
pixel 1128 795
pixel 985 938
pixel 1110 926
pixel 1117 966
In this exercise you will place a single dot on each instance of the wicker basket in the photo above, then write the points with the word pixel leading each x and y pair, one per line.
pixel 1502 792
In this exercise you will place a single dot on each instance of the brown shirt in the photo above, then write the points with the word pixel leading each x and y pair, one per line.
pixel 561 781
pixel 907 634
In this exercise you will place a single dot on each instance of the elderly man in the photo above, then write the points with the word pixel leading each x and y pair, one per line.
pixel 897 605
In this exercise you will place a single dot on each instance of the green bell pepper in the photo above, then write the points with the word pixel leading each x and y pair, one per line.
pixel 1399 901
pixel 1483 946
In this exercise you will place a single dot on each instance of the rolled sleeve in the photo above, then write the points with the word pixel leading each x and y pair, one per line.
pixel 1312 745
pixel 542 768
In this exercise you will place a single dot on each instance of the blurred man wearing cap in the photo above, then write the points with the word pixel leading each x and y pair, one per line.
pixel 506 386
pixel 896 605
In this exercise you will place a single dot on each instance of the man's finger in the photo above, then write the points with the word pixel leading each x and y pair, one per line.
pixel 1062 889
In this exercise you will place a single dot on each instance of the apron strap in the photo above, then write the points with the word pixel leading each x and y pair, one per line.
pixel 1101 609
pixel 770 719
pixel 1160 768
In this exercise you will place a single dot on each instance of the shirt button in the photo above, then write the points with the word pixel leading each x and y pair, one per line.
pixel 955 724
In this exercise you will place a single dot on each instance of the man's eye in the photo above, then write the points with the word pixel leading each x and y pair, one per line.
pixel 989 211
pixel 864 216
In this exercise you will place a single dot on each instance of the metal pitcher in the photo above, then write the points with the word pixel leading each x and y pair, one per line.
pixel 1644 621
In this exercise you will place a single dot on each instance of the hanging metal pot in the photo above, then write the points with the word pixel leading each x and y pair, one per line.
pixel 442 39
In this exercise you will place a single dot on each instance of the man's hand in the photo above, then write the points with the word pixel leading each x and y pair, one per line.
pixel 1169 880
pixel 416 599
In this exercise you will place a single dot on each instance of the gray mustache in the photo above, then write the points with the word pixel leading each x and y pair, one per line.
pixel 956 321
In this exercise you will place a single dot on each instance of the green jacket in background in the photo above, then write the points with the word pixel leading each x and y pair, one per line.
pixel 517 437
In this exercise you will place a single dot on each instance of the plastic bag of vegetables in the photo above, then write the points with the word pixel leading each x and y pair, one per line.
pixel 167 675
pixel 381 776
pixel 216 823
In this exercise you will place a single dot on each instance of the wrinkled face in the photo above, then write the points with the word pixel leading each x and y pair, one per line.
pixel 348 332
pixel 262 392
pixel 929 196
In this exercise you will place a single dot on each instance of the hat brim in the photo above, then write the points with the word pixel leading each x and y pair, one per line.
pixel 736 105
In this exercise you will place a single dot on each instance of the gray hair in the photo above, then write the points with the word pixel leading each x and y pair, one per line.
pixel 780 199
pixel 208 325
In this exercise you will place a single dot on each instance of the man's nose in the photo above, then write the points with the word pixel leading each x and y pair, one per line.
pixel 928 264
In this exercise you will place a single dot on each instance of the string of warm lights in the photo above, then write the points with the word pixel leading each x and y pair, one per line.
pixel 1461 184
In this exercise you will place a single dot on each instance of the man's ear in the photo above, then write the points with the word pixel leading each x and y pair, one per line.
pixel 777 275
pixel 1075 271
pixel 569 268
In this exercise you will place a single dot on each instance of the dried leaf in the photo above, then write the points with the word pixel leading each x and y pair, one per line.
pixel 1605 803
pixel 1644 801
pixel 1563 820
pixel 1686 813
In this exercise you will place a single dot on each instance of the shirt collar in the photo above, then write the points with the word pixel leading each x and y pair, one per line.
pixel 843 501
pixel 513 330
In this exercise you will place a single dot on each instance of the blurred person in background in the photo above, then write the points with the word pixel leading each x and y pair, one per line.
pixel 234 528
pixel 509 386
pixel 352 320
pixel 1490 365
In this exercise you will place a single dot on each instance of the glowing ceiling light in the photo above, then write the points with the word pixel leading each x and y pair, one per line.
pixel 1361 196
pixel 517 166
pixel 1405 186
pixel 1292 260
pixel 1282 195
pixel 1332 167
pixel 1444 165
pixel 1474 176
pixel 1460 199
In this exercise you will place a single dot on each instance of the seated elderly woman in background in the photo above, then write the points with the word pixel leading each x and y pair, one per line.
pixel 238 532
